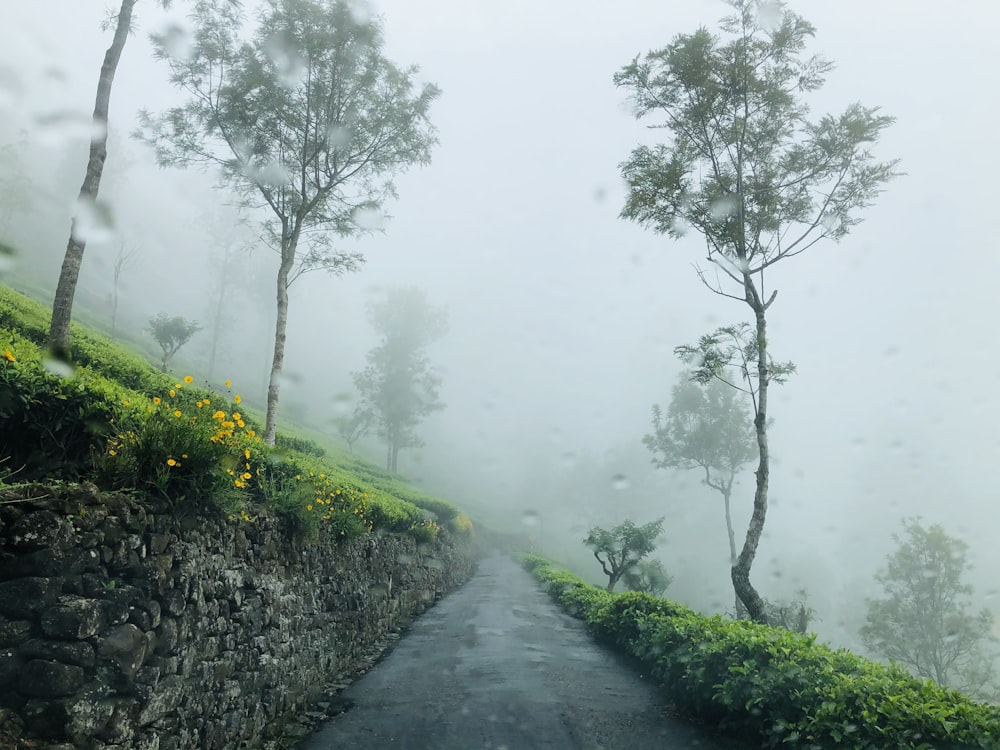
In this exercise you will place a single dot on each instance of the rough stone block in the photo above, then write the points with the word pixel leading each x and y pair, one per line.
pixel 80 653
pixel 13 632
pixel 25 598
pixel 73 617
pixel 40 530
pixel 49 679
pixel 126 647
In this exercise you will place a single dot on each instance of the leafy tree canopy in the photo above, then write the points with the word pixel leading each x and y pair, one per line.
pixel 620 550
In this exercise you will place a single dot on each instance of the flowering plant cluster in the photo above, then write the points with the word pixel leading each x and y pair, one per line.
pixel 185 446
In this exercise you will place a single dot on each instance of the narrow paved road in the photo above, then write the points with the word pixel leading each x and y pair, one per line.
pixel 498 665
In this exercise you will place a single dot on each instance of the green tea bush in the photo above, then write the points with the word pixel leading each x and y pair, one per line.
pixel 51 424
pixel 781 688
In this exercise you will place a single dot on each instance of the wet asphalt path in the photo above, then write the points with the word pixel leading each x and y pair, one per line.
pixel 498 665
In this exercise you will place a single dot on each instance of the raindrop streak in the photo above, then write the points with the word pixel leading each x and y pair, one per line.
pixel 769 14
pixel 289 65
pixel 369 218
pixel 177 43
pixel 724 207
pixel 58 367
pixel 93 222
pixel 619 482
pixel 339 136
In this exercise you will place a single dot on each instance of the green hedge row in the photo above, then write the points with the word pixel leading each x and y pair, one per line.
pixel 771 685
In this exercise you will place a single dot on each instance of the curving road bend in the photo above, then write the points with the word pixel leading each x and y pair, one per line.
pixel 498 665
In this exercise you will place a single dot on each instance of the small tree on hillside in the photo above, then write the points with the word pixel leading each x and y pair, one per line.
pixel 746 169
pixel 399 387
pixel 620 550
pixel 707 427
pixel 171 333
pixel 925 620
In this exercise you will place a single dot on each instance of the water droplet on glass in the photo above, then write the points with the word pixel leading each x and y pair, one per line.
pixel 93 222
pixel 769 14
pixel 58 367
pixel 177 42
pixel 272 174
pixel 360 10
pixel 54 128
pixel 339 136
pixel 830 222
pixel 530 518
pixel 723 208
pixel 288 62
pixel 619 482
pixel 7 258
pixel 342 403
pixel 368 218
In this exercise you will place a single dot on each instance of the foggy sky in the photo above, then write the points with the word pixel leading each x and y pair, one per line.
pixel 564 317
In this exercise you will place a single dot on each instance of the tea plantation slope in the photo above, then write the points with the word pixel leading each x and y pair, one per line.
pixel 779 687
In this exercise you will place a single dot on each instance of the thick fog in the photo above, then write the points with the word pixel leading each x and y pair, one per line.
pixel 563 316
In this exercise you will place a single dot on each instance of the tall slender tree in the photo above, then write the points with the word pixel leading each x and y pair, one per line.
pixel 62 304
pixel 307 119
pixel 745 168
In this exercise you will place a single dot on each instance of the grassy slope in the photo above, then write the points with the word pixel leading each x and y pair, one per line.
pixel 127 367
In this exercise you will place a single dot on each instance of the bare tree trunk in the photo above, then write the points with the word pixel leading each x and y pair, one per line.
pixel 741 570
pixel 62 304
pixel 741 611
pixel 280 327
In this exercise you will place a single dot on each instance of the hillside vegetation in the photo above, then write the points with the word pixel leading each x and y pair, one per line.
pixel 112 418
pixel 778 687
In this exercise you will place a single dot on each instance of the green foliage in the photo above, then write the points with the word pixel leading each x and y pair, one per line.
pixel 772 686
pixel 67 426
pixel 707 426
pixel 183 447
pixel 31 321
pixel 51 424
pixel 424 532
pixel 924 621
pixel 620 550
pixel 649 576
pixel 171 333
pixel 283 442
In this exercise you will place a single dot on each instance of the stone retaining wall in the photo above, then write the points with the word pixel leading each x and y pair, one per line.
pixel 123 626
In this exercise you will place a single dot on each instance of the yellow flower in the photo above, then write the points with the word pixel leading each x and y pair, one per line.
pixel 251 433
pixel 177 412
pixel 229 384
pixel 237 398
pixel 188 379
pixel 184 455
pixel 205 401
pixel 112 452
pixel 9 355
pixel 219 415
pixel 171 462
pixel 237 415
pixel 199 404
pixel 241 423
pixel 246 453
pixel 156 399
pixel 309 507
pixel 172 392
pixel 125 402
pixel 178 385
pixel 247 475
